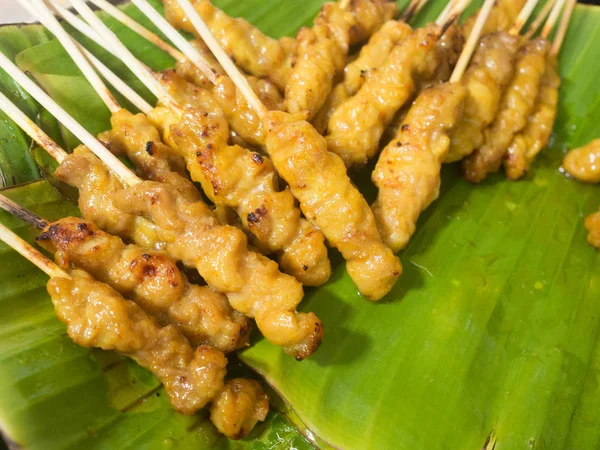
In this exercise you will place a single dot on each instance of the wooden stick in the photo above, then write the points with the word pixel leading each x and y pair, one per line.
pixel 473 39
pixel 139 69
pixel 30 253
pixel 455 10
pixel 420 6
pixel 410 10
pixel 22 213
pixel 31 129
pixel 554 14
pixel 122 87
pixel 38 9
pixel 523 17
pixel 234 73
pixel 539 19
pixel 44 13
pixel 188 49
pixel 91 34
pixel 442 17
pixel 562 27
pixel 126 175
pixel 139 29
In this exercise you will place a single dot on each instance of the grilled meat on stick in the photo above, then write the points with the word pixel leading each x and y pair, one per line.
pixel 516 106
pixel 264 57
pixel 321 51
pixel 318 179
pixel 372 56
pixel 268 213
pixel 408 170
pixel 98 316
pixel 255 285
pixel 148 276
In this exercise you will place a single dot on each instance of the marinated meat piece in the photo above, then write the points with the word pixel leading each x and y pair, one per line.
pixel 253 51
pixel 372 56
pixel 245 181
pixel 516 106
pixel 97 185
pixel 139 139
pixel 592 223
pixel 408 171
pixel 253 284
pixel 238 407
pixel 356 126
pixel 320 57
pixel 98 316
pixel 534 137
pixel 583 163
pixel 150 278
pixel 486 78
pixel 318 179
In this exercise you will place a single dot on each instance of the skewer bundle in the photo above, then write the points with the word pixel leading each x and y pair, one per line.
pixel 205 123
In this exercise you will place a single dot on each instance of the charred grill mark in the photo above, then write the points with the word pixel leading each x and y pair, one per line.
pixel 150 148
pixel 257 158
pixel 63 235
pixel 257 215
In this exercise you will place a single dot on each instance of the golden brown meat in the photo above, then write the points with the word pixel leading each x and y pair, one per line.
pixel 152 279
pixel 253 284
pixel 224 98
pixel 583 163
pixel 98 316
pixel 356 126
pixel 592 223
pixel 490 71
pixel 138 138
pixel 408 171
pixel 534 137
pixel 327 197
pixel 245 181
pixel 238 407
pixel 515 107
pixel 253 51
pixel 372 56
pixel 369 16
pixel 97 185
pixel 192 73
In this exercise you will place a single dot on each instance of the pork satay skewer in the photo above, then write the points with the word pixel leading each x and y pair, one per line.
pixel 251 191
pixel 539 19
pixel 371 57
pixel 516 105
pixel 407 173
pixel 356 126
pixel 527 144
pixel 149 277
pixel 252 283
pixel 487 77
pixel 98 316
pixel 319 181
pixel 320 57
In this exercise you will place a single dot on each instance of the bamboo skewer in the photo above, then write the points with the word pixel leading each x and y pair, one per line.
pixel 126 175
pixel 31 254
pixel 471 44
pixel 139 29
pixel 230 68
pixel 523 17
pixel 188 50
pixel 562 27
pixel 541 17
pixel 39 10
pixel 140 70
pixel 410 10
pixel 22 213
pixel 31 129
pixel 552 19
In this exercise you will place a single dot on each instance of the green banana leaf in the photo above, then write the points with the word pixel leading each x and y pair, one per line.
pixel 489 340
